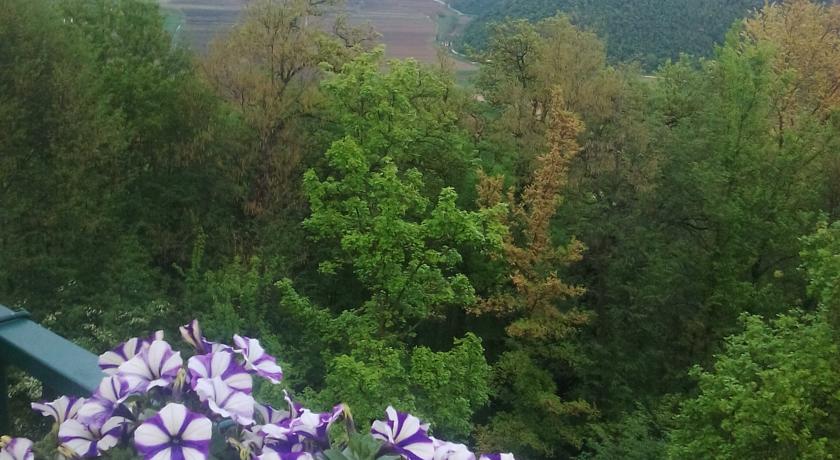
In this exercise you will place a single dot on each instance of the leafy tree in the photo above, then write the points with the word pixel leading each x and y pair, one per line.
pixel 401 248
pixel 406 112
pixel 57 129
pixel 178 137
pixel 269 68
pixel 528 64
pixel 403 251
pixel 541 331
pixel 771 394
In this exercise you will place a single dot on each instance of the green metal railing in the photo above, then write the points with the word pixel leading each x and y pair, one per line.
pixel 62 366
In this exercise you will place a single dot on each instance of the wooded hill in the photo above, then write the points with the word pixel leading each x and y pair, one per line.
pixel 649 31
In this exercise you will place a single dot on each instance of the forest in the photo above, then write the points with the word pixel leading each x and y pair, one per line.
pixel 647 31
pixel 572 257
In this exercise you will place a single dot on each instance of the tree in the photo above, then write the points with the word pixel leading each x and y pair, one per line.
pixel 541 331
pixel 269 68
pixel 58 135
pixel 525 65
pixel 770 395
pixel 407 112
pixel 178 136
pixel 402 250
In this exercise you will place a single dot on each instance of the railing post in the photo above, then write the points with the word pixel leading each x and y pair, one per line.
pixel 5 420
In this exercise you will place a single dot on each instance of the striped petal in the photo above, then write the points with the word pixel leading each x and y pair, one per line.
pixel 226 401
pixel 451 451
pixel 314 426
pixel 223 365
pixel 113 391
pixel 88 441
pixel 63 408
pixel 268 414
pixel 174 433
pixel 191 333
pixel 257 360
pixel 156 366
pixel 496 457
pixel 16 449
pixel 110 361
pixel 404 434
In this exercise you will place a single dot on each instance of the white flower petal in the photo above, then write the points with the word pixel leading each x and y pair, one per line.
pixel 149 434
pixel 198 430
pixel 409 428
pixel 192 454
pixel 173 416
pixel 165 454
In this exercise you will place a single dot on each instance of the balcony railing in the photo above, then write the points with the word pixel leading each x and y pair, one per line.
pixel 62 366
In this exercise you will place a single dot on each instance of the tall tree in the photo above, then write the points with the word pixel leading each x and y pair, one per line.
pixel 269 67
pixel 534 304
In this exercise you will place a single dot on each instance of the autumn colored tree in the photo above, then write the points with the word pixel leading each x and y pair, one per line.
pixel 541 323
pixel 526 64
pixel 269 68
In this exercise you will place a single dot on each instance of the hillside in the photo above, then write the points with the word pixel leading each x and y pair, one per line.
pixel 649 31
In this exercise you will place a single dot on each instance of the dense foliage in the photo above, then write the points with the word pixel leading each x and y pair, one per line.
pixel 567 259
pixel 648 31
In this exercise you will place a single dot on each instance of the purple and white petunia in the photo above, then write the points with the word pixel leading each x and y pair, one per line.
pixel 16 449
pixel 191 333
pixel 156 366
pixel 223 365
pixel 226 401
pixel 257 360
pixel 280 438
pixel 314 426
pixel 404 434
pixel 88 440
pixel 111 360
pixel 63 408
pixel 113 391
pixel 272 454
pixel 174 433
pixel 445 450
pixel 271 415
pixel 294 408
pixel 496 457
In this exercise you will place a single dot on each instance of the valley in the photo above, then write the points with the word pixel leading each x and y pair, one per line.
pixel 408 28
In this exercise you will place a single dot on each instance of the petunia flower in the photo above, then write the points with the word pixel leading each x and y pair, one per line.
pixel 63 408
pixel 445 450
pixel 174 433
pixel 191 333
pixel 16 449
pixel 112 391
pixel 226 401
pixel 89 440
pixel 294 408
pixel 272 454
pixel 223 365
pixel 496 457
pixel 156 366
pixel 313 425
pixel 404 434
pixel 110 361
pixel 269 414
pixel 257 360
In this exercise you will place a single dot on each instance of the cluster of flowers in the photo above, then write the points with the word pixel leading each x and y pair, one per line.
pixel 150 401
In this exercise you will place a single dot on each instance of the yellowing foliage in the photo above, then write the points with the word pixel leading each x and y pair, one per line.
pixel 806 38
pixel 532 256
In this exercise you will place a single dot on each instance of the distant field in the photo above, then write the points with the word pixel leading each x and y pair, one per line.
pixel 409 28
